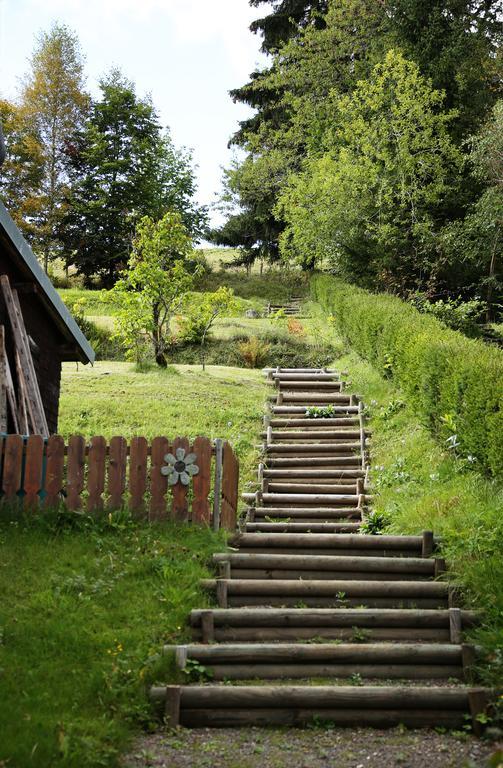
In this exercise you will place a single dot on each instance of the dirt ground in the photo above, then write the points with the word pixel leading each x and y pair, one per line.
pixel 313 748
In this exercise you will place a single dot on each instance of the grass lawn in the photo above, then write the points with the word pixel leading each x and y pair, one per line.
pixel 85 606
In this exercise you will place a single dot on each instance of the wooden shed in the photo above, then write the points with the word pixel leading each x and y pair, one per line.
pixel 37 333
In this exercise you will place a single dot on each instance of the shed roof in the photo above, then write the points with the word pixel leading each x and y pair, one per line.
pixel 20 252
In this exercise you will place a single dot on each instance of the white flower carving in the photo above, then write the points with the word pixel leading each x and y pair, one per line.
pixel 180 467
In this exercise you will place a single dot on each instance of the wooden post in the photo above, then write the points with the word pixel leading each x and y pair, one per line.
pixel 217 489
pixel 138 453
pixel 469 659
pixel 75 472
pixel 117 465
pixel 478 701
pixel 455 625
pixel 33 471
pixel 428 542
pixel 96 474
pixel 222 593
pixel 207 627
pixel 172 706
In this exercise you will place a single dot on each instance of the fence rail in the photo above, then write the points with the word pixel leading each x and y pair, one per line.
pixel 158 480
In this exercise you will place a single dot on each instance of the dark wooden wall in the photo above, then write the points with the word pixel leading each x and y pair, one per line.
pixel 46 337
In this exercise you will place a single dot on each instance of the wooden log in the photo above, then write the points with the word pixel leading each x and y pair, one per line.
pixel 222 592
pixel 34 461
pixel 96 474
pixel 298 410
pixel 361 617
pixel 201 512
pixel 312 489
pixel 325 513
pixel 347 589
pixel 316 499
pixel 359 541
pixel 414 565
pixel 306 422
pixel 309 386
pixel 317 474
pixel 285 671
pixel 347 462
pixel 54 471
pixel 420 654
pixel 313 448
pixel 384 718
pixel 325 697
pixel 310 434
pixel 302 527
pixel 334 602
pixel 230 485
pixel 283 634
pixel 3 383
pixel 117 468
pixel 12 467
pixel 239 572
pixel 7 383
pixel 26 415
pixel 469 661
pixel 158 482
pixel 180 507
pixel 75 472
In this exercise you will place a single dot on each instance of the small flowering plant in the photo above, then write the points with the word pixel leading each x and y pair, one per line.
pixel 180 467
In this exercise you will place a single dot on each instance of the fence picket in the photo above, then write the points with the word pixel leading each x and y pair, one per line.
pixel 75 472
pixel 117 464
pixel 54 470
pixel 180 508
pixel 229 488
pixel 158 481
pixel 33 468
pixel 12 466
pixel 138 452
pixel 96 474
pixel 202 481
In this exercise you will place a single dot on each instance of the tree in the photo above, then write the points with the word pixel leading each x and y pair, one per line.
pixel 22 172
pixel 53 104
pixel 122 167
pixel 474 245
pixel 371 202
pixel 197 323
pixel 154 285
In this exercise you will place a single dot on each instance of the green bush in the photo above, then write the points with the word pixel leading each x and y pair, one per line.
pixel 454 383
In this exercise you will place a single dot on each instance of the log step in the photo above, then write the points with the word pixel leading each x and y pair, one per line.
pixel 392 545
pixel 399 567
pixel 315 434
pixel 346 624
pixel 284 377
pixel 335 593
pixel 300 410
pixel 224 705
pixel 312 488
pixel 414 661
pixel 323 462
pixel 303 526
pixel 313 449
pixel 307 422
pixel 304 499
pixel 312 398
pixel 314 385
pixel 323 513
pixel 317 474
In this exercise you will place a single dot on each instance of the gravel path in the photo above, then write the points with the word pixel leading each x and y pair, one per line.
pixel 312 748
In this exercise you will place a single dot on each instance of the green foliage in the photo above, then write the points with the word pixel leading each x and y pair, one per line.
pixel 198 320
pixel 153 287
pixel 122 167
pixel 105 345
pixel 321 411
pixel 463 316
pixel 440 371
pixel 368 203
pixel 83 623
pixel 375 523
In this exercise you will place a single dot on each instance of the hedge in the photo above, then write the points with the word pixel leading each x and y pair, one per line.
pixel 454 383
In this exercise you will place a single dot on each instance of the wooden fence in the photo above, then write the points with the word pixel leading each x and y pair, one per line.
pixel 160 480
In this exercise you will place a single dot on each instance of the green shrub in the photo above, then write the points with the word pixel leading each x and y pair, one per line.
pixel 454 383
pixel 463 316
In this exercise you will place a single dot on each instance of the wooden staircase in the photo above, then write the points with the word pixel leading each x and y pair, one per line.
pixel 309 602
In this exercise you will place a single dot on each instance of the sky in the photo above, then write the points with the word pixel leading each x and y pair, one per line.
pixel 187 53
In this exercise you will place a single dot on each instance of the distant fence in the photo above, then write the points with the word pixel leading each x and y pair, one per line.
pixel 157 480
